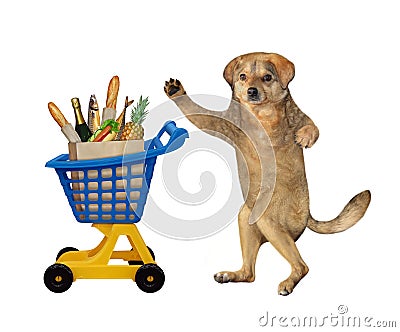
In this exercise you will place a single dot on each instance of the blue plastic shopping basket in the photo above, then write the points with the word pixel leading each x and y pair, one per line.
pixel 114 190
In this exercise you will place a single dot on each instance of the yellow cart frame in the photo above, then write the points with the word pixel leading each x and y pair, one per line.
pixel 94 263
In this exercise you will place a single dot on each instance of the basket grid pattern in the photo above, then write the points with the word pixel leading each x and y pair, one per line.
pixel 108 193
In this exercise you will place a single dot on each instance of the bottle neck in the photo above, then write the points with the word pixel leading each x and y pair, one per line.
pixel 77 109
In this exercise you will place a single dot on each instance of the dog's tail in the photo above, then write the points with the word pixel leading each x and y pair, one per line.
pixel 352 212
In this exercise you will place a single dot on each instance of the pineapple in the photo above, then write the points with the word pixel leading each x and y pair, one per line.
pixel 134 129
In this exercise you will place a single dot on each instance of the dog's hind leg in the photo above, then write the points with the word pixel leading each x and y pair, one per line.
pixel 250 241
pixel 286 246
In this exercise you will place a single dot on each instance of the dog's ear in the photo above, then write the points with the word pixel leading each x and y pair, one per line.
pixel 229 70
pixel 283 67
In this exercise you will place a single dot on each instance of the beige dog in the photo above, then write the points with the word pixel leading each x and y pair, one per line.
pixel 259 82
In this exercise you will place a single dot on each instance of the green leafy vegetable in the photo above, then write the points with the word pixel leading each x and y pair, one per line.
pixel 114 128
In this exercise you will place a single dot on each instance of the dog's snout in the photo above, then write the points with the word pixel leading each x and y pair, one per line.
pixel 252 92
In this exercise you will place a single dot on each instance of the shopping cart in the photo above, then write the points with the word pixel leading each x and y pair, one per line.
pixel 111 194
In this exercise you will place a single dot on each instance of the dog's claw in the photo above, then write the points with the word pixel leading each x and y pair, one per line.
pixel 284 292
pixel 298 144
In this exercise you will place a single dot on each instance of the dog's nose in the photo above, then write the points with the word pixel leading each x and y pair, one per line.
pixel 252 92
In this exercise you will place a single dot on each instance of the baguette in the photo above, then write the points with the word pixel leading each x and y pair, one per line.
pixel 112 93
pixel 57 115
pixel 66 127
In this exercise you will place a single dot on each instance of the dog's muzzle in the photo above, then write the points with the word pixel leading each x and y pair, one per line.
pixel 252 94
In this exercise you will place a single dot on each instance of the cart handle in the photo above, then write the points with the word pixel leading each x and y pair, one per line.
pixel 175 134
pixel 153 148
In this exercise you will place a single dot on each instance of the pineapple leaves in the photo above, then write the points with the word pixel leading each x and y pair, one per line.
pixel 139 112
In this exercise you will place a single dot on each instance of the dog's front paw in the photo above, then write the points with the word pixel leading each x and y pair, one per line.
pixel 306 136
pixel 174 88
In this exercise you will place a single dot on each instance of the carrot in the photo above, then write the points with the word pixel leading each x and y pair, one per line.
pixel 107 131
pixel 102 135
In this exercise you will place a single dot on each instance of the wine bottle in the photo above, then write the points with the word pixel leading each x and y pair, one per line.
pixel 81 126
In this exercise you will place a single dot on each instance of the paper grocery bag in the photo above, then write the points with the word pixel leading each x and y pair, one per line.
pixel 99 150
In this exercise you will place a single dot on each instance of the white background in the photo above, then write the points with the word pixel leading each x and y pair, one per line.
pixel 347 67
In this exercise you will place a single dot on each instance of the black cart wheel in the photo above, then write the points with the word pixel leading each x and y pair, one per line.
pixel 58 278
pixel 64 250
pixel 141 262
pixel 150 278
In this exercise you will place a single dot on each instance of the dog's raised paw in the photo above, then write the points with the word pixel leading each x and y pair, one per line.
pixel 174 88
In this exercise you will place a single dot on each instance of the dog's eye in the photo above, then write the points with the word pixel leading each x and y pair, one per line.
pixel 267 78
pixel 242 77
